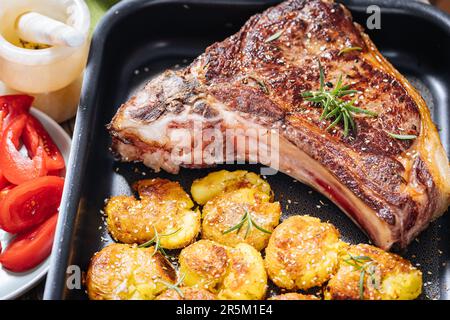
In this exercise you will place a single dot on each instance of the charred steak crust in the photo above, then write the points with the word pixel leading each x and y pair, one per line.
pixel 262 82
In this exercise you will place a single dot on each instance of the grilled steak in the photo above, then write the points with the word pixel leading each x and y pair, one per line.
pixel 392 188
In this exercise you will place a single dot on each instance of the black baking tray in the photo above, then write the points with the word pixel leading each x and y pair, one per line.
pixel 138 39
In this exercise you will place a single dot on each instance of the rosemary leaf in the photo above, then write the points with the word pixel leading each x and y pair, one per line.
pixel 361 258
pixel 175 286
pixel 347 92
pixel 361 284
pixel 350 119
pixel 345 124
pixel 331 114
pixel 401 136
pixel 359 110
pixel 349 49
pixel 237 226
pixel 260 83
pixel 335 108
pixel 261 228
pixel 157 241
pixel 246 218
pixel 338 86
pixel 322 77
pixel 275 36
pixel 263 87
pixel 249 226
pixel 365 265
pixel 147 244
pixel 325 110
pixel 335 122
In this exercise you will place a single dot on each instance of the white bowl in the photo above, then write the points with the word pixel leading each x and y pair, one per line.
pixel 13 284
pixel 45 70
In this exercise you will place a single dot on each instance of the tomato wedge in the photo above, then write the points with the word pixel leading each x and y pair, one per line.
pixel 3 114
pixel 33 134
pixel 58 173
pixel 13 105
pixel 30 203
pixel 16 167
pixel 5 191
pixel 29 249
pixel 3 181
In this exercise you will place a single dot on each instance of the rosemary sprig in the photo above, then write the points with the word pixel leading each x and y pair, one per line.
pixel 175 286
pixel 365 265
pixel 157 241
pixel 401 136
pixel 275 36
pixel 246 219
pixel 349 49
pixel 260 83
pixel 333 106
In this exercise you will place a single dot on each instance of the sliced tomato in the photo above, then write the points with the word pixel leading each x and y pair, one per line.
pixel 33 135
pixel 13 105
pixel 30 203
pixel 3 181
pixel 29 249
pixel 58 173
pixel 3 114
pixel 5 191
pixel 16 167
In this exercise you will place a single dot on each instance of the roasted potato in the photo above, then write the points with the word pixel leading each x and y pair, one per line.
pixel 294 296
pixel 246 278
pixel 302 253
pixel 222 181
pixel 163 191
pixel 204 264
pixel 164 207
pixel 124 272
pixel 385 276
pixel 231 273
pixel 248 208
pixel 187 293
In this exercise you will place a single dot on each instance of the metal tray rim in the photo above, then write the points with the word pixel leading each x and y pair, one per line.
pixel 85 116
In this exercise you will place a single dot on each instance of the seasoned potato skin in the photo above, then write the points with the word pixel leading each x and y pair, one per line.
pixel 246 278
pixel 163 190
pixel 223 181
pixel 204 264
pixel 399 280
pixel 302 253
pixel 231 273
pixel 188 294
pixel 163 206
pixel 294 296
pixel 124 272
pixel 226 210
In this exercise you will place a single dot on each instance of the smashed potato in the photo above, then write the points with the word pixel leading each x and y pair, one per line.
pixel 302 253
pixel 222 181
pixel 385 276
pixel 231 273
pixel 246 278
pixel 294 296
pixel 248 209
pixel 162 191
pixel 124 272
pixel 204 264
pixel 239 220
pixel 187 293
pixel 164 209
